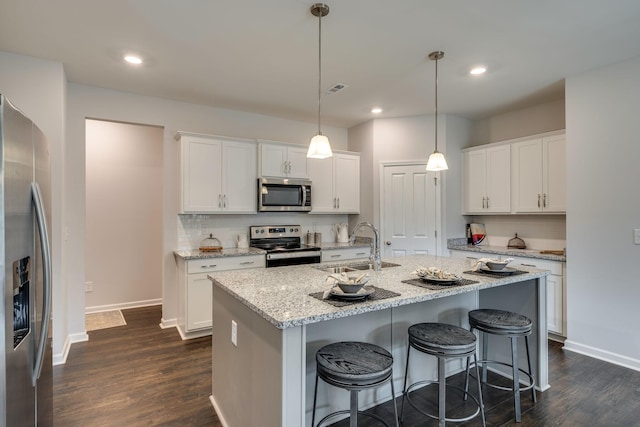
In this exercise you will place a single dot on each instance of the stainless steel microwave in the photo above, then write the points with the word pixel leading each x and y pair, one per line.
pixel 284 194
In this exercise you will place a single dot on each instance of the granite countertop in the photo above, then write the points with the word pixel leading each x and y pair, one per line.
pixel 281 294
pixel 462 245
pixel 197 254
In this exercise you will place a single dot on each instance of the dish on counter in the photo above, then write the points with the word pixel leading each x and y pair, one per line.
pixel 336 292
pixel 436 275
pixel 506 270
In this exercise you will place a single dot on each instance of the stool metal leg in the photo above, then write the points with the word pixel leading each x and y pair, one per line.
pixel 404 387
pixel 442 393
pixel 533 389
pixel 516 378
pixel 485 353
pixel 393 397
pixel 354 409
pixel 315 397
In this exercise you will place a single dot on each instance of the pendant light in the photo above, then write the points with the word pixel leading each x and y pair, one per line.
pixel 319 147
pixel 436 160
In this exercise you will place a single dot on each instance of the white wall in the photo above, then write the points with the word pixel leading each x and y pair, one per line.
pixel 123 215
pixel 38 88
pixel 603 208
pixel 407 139
pixel 91 102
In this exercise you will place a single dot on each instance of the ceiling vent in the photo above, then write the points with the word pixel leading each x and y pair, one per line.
pixel 336 88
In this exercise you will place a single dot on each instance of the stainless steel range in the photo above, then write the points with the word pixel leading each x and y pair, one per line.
pixel 283 244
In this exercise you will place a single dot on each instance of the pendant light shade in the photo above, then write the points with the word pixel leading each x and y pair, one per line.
pixel 436 161
pixel 319 147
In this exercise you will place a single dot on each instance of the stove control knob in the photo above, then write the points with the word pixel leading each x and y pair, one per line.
pixel 296 230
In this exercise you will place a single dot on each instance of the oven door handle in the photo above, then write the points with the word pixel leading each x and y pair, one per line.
pixel 294 254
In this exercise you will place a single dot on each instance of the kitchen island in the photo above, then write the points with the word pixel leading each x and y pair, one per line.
pixel 267 328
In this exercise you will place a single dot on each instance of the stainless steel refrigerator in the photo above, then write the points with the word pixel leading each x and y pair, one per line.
pixel 25 270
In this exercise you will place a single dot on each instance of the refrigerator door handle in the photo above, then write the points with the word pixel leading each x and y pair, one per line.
pixel 41 344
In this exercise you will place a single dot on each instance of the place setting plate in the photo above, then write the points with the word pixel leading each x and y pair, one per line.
pixel 505 270
pixel 364 292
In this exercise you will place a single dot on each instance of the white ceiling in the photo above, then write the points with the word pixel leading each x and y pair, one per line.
pixel 262 56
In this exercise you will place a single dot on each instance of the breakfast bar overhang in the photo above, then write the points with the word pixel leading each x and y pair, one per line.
pixel 267 328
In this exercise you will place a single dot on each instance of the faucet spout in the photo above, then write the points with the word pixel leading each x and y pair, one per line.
pixel 375 256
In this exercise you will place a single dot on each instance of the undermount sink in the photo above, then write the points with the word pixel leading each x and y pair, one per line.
pixel 355 267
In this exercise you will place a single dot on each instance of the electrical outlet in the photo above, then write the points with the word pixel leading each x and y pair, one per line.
pixel 234 333
pixel 88 286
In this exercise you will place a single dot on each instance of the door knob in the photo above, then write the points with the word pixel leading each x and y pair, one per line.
pixel 388 243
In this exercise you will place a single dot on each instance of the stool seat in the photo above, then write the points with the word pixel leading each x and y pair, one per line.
pixel 354 366
pixel 351 362
pixel 499 322
pixel 442 339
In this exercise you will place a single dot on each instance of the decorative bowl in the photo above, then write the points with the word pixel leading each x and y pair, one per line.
pixel 497 265
pixel 351 284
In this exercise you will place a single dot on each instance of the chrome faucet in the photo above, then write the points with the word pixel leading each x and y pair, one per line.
pixel 374 257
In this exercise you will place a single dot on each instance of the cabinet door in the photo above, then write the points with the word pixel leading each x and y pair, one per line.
pixel 273 160
pixel 554 174
pixel 474 166
pixel 555 318
pixel 498 175
pixel 347 183
pixel 527 176
pixel 201 179
pixel 239 177
pixel 199 302
pixel 297 158
pixel 321 175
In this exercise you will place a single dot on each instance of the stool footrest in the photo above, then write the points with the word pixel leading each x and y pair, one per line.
pixel 435 417
pixel 532 381
pixel 346 411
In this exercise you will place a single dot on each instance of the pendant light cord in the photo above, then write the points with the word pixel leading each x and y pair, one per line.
pixel 436 115
pixel 319 67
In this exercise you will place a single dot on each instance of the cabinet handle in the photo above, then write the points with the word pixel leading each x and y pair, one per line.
pixel 483 203
pixel 529 265
pixel 544 200
pixel 209 266
pixel 338 198
pixel 335 205
pixel 360 253
pixel 224 201
pixel 471 257
pixel 247 262
pixel 487 203
pixel 336 256
pixel 219 200
pixel 289 166
pixel 538 199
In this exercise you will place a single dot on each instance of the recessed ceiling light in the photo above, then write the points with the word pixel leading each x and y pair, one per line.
pixel 478 70
pixel 132 59
pixel 376 110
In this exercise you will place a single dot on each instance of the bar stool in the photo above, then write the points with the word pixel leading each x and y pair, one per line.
pixel 512 325
pixel 444 342
pixel 353 366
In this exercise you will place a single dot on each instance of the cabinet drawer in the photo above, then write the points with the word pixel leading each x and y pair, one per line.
pixel 206 265
pixel 342 254
pixel 554 267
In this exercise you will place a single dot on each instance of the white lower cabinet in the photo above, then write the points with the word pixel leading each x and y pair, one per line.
pixel 195 291
pixel 556 323
pixel 344 254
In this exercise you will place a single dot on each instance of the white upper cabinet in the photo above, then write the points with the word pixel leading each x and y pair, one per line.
pixel 283 160
pixel 486 180
pixel 217 175
pixel 539 175
pixel 335 184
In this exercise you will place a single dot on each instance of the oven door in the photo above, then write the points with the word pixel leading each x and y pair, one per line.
pixel 275 195
pixel 279 259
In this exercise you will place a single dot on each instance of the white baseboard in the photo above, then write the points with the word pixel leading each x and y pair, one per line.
pixel 607 356
pixel 190 335
pixel 61 358
pixel 122 306
pixel 168 323
pixel 218 412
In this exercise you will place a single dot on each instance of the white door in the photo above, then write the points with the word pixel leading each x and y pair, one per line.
pixel 408 211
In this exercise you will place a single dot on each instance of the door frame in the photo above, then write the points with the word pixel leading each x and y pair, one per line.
pixel 437 202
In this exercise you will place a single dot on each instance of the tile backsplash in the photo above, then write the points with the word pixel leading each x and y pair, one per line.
pixel 192 229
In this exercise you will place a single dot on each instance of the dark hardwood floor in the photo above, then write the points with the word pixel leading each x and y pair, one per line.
pixel 141 375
